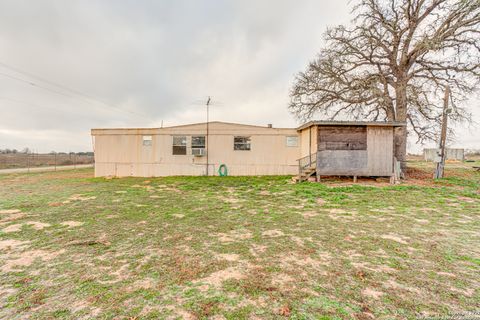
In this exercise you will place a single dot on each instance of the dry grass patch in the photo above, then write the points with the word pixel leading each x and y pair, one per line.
pixel 271 250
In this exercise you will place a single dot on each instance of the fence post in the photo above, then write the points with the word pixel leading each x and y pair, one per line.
pixel 28 164
pixel 74 161
pixel 55 161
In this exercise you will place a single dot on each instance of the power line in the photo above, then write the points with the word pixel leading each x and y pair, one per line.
pixel 28 103
pixel 86 97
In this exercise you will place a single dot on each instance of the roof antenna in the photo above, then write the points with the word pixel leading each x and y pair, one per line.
pixel 208 118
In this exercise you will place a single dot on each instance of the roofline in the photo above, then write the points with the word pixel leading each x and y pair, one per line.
pixel 352 123
pixel 192 124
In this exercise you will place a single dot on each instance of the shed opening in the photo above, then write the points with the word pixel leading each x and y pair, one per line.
pixel 342 138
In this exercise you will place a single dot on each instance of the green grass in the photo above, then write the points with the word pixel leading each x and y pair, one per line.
pixel 238 247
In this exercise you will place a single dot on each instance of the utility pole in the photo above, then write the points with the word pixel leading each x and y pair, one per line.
pixel 443 137
pixel 206 138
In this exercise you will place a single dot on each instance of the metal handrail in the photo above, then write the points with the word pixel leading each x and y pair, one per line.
pixel 307 161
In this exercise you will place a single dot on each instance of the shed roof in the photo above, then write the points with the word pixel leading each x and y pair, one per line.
pixel 352 123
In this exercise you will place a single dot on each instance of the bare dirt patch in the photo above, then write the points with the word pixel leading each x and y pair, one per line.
pixel 234 235
pixel 72 223
pixel 142 284
pixel 371 293
pixel 79 197
pixel 217 278
pixel 446 274
pixel 422 221
pixel 341 214
pixel 337 211
pixel 37 225
pixel 397 286
pixel 9 211
pixel 299 241
pixel 26 258
pixel 257 249
pixel 11 215
pixel 373 268
pixel 230 199
pixel 10 244
pixel 396 238
pixel 13 228
pixel 228 256
pixel 282 280
pixel 293 261
pixel 309 214
pixel 273 233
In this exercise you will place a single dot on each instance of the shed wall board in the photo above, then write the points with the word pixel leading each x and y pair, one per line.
pixel 380 151
pixel 342 162
pixel 376 160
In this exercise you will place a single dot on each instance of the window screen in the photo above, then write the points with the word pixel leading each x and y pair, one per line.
pixel 147 140
pixel 241 143
pixel 292 141
pixel 179 145
pixel 198 142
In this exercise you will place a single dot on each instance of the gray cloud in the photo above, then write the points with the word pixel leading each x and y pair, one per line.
pixel 154 58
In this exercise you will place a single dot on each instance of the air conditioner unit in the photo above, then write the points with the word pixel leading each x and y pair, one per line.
pixel 199 152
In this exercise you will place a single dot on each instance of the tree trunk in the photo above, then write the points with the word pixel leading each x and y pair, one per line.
pixel 400 139
pixel 401 132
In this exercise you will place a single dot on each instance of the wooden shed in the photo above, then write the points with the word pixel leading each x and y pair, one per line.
pixel 347 148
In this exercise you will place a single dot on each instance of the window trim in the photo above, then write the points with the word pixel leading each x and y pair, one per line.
pixel 249 143
pixel 199 146
pixel 147 141
pixel 297 141
pixel 179 145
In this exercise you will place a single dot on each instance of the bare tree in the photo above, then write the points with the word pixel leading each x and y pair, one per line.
pixel 393 63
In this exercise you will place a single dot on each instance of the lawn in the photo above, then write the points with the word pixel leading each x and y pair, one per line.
pixel 73 246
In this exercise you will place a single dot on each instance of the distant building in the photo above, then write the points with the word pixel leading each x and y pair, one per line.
pixel 317 147
pixel 433 154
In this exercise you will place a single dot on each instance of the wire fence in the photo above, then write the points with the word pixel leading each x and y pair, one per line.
pixel 36 160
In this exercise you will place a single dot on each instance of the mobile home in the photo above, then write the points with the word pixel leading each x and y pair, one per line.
pixel 317 147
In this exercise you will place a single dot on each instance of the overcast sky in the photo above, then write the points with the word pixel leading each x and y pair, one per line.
pixel 154 61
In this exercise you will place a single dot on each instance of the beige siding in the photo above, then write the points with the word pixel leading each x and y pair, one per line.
pixel 120 152
pixel 308 141
pixel 380 151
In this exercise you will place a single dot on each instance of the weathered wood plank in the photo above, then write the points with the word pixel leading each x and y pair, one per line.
pixel 380 151
pixel 342 162
pixel 342 138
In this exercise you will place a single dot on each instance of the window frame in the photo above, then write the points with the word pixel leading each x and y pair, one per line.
pixel 183 145
pixel 297 141
pixel 247 143
pixel 193 146
pixel 147 140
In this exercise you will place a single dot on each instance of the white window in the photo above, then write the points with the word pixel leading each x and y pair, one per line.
pixel 179 145
pixel 147 141
pixel 292 141
pixel 241 143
